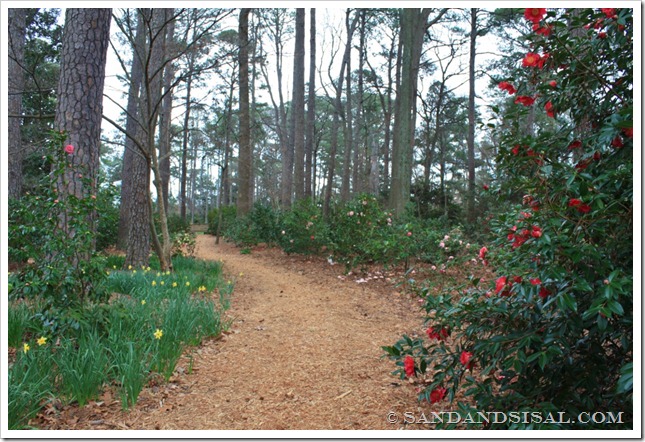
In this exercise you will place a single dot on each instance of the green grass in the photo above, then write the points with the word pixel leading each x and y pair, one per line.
pixel 114 343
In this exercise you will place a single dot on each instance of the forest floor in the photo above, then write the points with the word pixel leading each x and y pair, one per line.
pixel 303 352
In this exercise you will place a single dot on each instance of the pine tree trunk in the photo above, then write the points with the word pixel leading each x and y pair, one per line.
pixel 299 106
pixel 131 149
pixel 79 107
pixel 348 129
pixel 311 108
pixel 16 83
pixel 471 118
pixel 246 152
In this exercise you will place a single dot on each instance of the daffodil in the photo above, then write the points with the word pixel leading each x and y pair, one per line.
pixel 143 302
pixel 158 334
pixel 162 283
pixel 201 288
pixel 174 284
pixel 42 340
pixel 158 274
pixel 25 347
pixel 148 268
pixel 114 267
pixel 129 267
pixel 187 283
pixel 154 283
pixel 134 272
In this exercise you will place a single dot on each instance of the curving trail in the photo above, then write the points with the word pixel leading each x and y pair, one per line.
pixel 304 352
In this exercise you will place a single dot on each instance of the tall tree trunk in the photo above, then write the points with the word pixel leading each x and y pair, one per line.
pixel 298 131
pixel 348 129
pixel 311 108
pixel 166 109
pixel 391 84
pixel 471 117
pixel 360 139
pixel 245 185
pixel 16 84
pixel 79 107
pixel 152 104
pixel 184 148
pixel 134 216
pixel 338 109
pixel 414 23
pixel 226 182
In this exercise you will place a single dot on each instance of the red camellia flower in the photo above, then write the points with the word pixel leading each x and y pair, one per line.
pixel 312 237
pixel 409 233
pixel 584 208
pixel 516 148
pixel 534 15
pixel 408 365
pixel 536 232
pixel 548 107
pixel 525 100
pixel 544 30
pixel 609 12
pixel 465 358
pixel 482 253
pixel 69 149
pixel 517 279
pixel 542 60
pixel 439 335
pixel 553 83
pixel 500 284
pixel 574 202
pixel 602 35
pixel 485 187
pixel 437 395
pixel 531 59
pixel 617 142
pixel 583 164
pixel 575 144
pixel 596 156
pixel 544 293
pixel 629 132
pixel 506 86
pixel 535 281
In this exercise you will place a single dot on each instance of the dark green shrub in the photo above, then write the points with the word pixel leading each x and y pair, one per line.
pixel 302 229
pixel 229 214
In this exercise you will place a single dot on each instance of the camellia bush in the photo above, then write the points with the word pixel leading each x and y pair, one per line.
pixel 56 265
pixel 553 332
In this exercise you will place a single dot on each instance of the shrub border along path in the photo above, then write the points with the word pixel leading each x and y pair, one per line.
pixel 304 352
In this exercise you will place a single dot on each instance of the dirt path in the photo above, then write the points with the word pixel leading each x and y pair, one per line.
pixel 303 353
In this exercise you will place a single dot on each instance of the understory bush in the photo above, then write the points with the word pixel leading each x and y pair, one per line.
pixel 554 331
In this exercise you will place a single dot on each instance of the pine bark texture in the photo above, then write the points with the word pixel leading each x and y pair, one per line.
pixel 311 107
pixel 79 108
pixel 299 106
pixel 16 84
pixel 132 152
pixel 471 117
pixel 245 185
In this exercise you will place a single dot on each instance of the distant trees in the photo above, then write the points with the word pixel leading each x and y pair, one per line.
pixel 205 92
